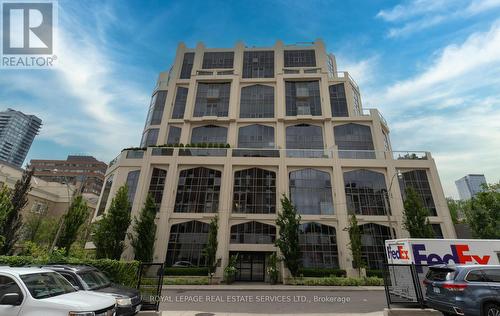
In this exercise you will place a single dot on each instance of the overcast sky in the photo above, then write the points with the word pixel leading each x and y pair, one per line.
pixel 431 66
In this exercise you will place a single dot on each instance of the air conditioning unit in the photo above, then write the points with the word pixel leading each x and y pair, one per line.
pixel 302 92
pixel 212 94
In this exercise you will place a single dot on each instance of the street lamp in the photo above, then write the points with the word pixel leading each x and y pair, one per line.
pixel 387 201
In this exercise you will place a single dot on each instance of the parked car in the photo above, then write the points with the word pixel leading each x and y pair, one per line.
pixel 464 289
pixel 183 264
pixel 35 291
pixel 87 278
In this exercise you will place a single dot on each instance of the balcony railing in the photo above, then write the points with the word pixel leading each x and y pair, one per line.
pixel 203 152
pixel 216 72
pixel 357 154
pixel 308 153
pixel 252 152
pixel 410 155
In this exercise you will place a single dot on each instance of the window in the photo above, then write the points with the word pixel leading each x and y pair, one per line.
pixel 300 58
pixel 253 233
pixel 70 278
pixel 105 195
pixel 155 112
pixel 8 285
pixel 132 180
pixel 150 137
pixel 174 135
pixel 186 244
pixel 212 99
pixel 354 141
pixel 302 98
pixel 198 191
pixel 366 192
pixel 318 246
pixel 187 66
pixel 475 276
pixel 180 103
pixel 256 136
pixel 338 100
pixel 311 192
pixel 46 284
pixel 257 101
pixel 304 136
pixel 417 179
pixel 258 64
pixel 254 191
pixel 209 134
pixel 357 102
pixel 438 233
pixel 157 185
pixel 217 60
pixel 492 275
pixel 373 237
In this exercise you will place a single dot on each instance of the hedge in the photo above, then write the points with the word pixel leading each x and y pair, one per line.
pixel 121 272
pixel 338 281
pixel 321 272
pixel 202 271
pixel 375 273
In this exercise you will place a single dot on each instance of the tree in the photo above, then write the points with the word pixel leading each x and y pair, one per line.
pixel 456 209
pixel 77 214
pixel 415 216
pixel 111 230
pixel 144 236
pixel 5 209
pixel 14 221
pixel 483 212
pixel 355 244
pixel 210 249
pixel 288 222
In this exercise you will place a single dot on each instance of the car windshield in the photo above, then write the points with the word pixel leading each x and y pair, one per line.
pixel 94 279
pixel 46 284
pixel 440 275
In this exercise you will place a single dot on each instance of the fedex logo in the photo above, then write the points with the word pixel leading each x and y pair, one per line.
pixel 459 255
pixel 401 253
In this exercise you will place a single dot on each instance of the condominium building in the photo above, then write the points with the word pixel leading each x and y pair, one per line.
pixel 85 172
pixel 17 131
pixel 260 123
pixel 470 185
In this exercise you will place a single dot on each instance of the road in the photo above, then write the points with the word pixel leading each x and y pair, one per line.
pixel 273 302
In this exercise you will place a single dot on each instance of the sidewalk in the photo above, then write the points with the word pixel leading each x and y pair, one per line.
pixel 268 287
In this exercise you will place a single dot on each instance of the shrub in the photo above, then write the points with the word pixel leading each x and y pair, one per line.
pixel 336 281
pixel 185 281
pixel 321 272
pixel 201 271
pixel 375 273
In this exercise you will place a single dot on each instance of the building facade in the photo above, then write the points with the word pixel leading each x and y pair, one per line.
pixel 85 172
pixel 469 185
pixel 260 123
pixel 17 131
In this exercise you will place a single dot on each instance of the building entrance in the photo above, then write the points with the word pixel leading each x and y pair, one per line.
pixel 251 266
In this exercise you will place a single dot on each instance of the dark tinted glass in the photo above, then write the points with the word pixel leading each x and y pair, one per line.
pixel 105 195
pixel 174 135
pixel 254 191
pixel 198 191
pixel 473 276
pixel 354 141
pixel 311 192
pixel 150 137
pixel 300 58
pixel 318 245
pixel 186 243
pixel 492 275
pixel 8 285
pixel 132 179
pixel 180 102
pixel 440 275
pixel 156 107
pixel 304 136
pixel 253 233
pixel 302 98
pixel 187 66
pixel 257 101
pixel 366 192
pixel 209 134
pixel 438 233
pixel 212 99
pixel 156 186
pixel 259 64
pixel 338 100
pixel 256 136
pixel 417 179
pixel 216 60
pixel 373 237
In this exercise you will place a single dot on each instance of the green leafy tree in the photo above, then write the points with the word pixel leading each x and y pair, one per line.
pixel 355 244
pixel 457 209
pixel 415 216
pixel 288 222
pixel 144 232
pixel 483 212
pixel 210 249
pixel 5 209
pixel 13 221
pixel 77 214
pixel 111 230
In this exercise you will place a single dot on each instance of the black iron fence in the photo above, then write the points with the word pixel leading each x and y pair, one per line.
pixel 150 285
pixel 404 284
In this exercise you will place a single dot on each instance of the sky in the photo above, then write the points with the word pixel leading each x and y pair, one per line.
pixel 431 66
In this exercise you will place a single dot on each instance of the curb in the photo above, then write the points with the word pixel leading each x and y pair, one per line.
pixel 269 288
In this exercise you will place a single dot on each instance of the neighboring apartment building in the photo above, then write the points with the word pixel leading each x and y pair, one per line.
pixel 469 185
pixel 295 126
pixel 17 131
pixel 85 172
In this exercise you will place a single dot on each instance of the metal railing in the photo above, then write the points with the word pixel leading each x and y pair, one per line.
pixel 357 154
pixel 215 72
pixel 410 155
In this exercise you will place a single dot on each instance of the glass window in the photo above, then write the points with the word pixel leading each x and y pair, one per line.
pixel 156 107
pixel 253 233
pixel 150 137
pixel 94 279
pixel 174 135
pixel 304 136
pixel 366 192
pixel 212 99
pixel 157 185
pixel 438 233
pixel 209 134
pixel 105 195
pixel 373 237
pixel 180 103
pixel 300 58
pixel 47 284
pixel 187 66
pixel 473 276
pixel 258 64
pixel 354 141
pixel 186 244
pixel 256 136
pixel 417 179
pixel 492 275
pixel 338 101
pixel 198 191
pixel 254 191
pixel 8 285
pixel 132 180
pixel 302 98
pixel 71 279
pixel 311 192
pixel 257 101
pixel 217 60
pixel 318 246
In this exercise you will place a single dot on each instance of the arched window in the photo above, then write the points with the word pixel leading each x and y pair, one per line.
pixel 338 101
pixel 373 237
pixel 417 179
pixel 354 141
pixel 304 136
pixel 302 98
pixel 253 233
pixel 254 191
pixel 318 245
pixel 311 191
pixel 366 192
pixel 209 134
pixel 186 244
pixel 257 101
pixel 256 136
pixel 198 191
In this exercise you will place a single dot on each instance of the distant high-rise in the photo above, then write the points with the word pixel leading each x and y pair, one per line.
pixel 470 185
pixel 17 131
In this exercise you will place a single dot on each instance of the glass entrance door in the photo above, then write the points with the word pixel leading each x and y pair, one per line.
pixel 251 266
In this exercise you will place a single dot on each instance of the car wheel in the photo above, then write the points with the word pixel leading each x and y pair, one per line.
pixel 491 310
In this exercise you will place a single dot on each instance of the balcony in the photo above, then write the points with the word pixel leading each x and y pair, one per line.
pixel 308 153
pixel 371 112
pixel 215 72
pixel 410 155
pixel 203 152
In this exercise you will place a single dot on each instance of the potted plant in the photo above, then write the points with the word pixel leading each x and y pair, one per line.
pixel 230 270
pixel 272 268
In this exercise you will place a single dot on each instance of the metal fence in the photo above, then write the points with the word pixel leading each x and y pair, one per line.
pixel 403 284
pixel 150 285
